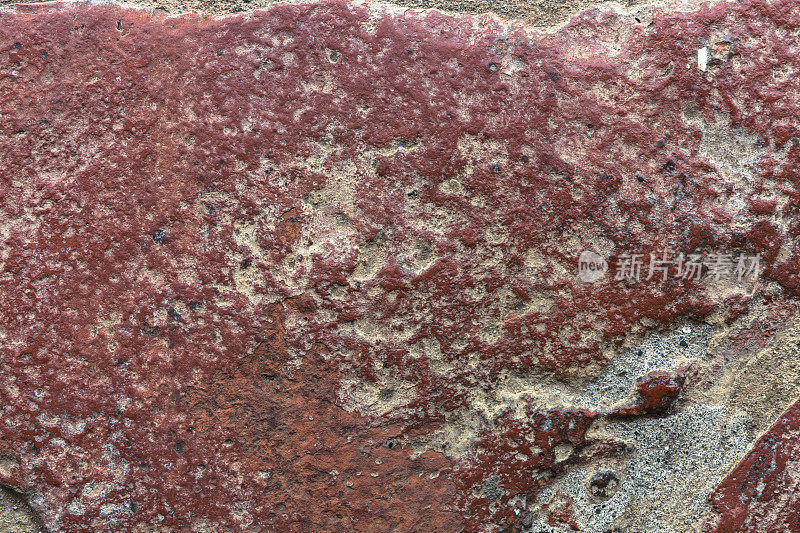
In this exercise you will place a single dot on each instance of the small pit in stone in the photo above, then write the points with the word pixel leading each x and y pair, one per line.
pixel 603 485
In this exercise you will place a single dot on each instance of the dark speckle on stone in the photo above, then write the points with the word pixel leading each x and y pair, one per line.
pixel 603 484
pixel 493 66
pixel 491 488
pixel 387 393
pixel 174 313
pixel 684 343
pixel 159 235
pixel 194 306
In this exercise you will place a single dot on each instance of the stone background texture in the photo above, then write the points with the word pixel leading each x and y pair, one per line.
pixel 312 267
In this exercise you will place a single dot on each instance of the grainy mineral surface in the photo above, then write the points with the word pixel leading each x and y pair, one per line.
pixel 315 268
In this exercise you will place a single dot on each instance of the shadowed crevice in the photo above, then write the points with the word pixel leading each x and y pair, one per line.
pixel 16 514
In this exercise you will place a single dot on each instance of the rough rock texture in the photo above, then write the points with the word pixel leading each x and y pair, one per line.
pixel 534 12
pixel 313 268
pixel 15 514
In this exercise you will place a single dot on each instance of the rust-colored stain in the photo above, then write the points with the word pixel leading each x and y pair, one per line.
pixel 319 467
pixel 655 393
pixel 250 264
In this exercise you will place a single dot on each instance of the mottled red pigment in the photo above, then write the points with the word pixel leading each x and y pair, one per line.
pixel 560 512
pixel 152 166
pixel 655 393
pixel 316 461
pixel 519 459
pixel 761 493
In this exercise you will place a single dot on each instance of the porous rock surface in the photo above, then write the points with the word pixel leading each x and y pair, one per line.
pixel 313 268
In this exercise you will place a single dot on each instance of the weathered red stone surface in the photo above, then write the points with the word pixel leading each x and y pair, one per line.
pixel 761 494
pixel 223 238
